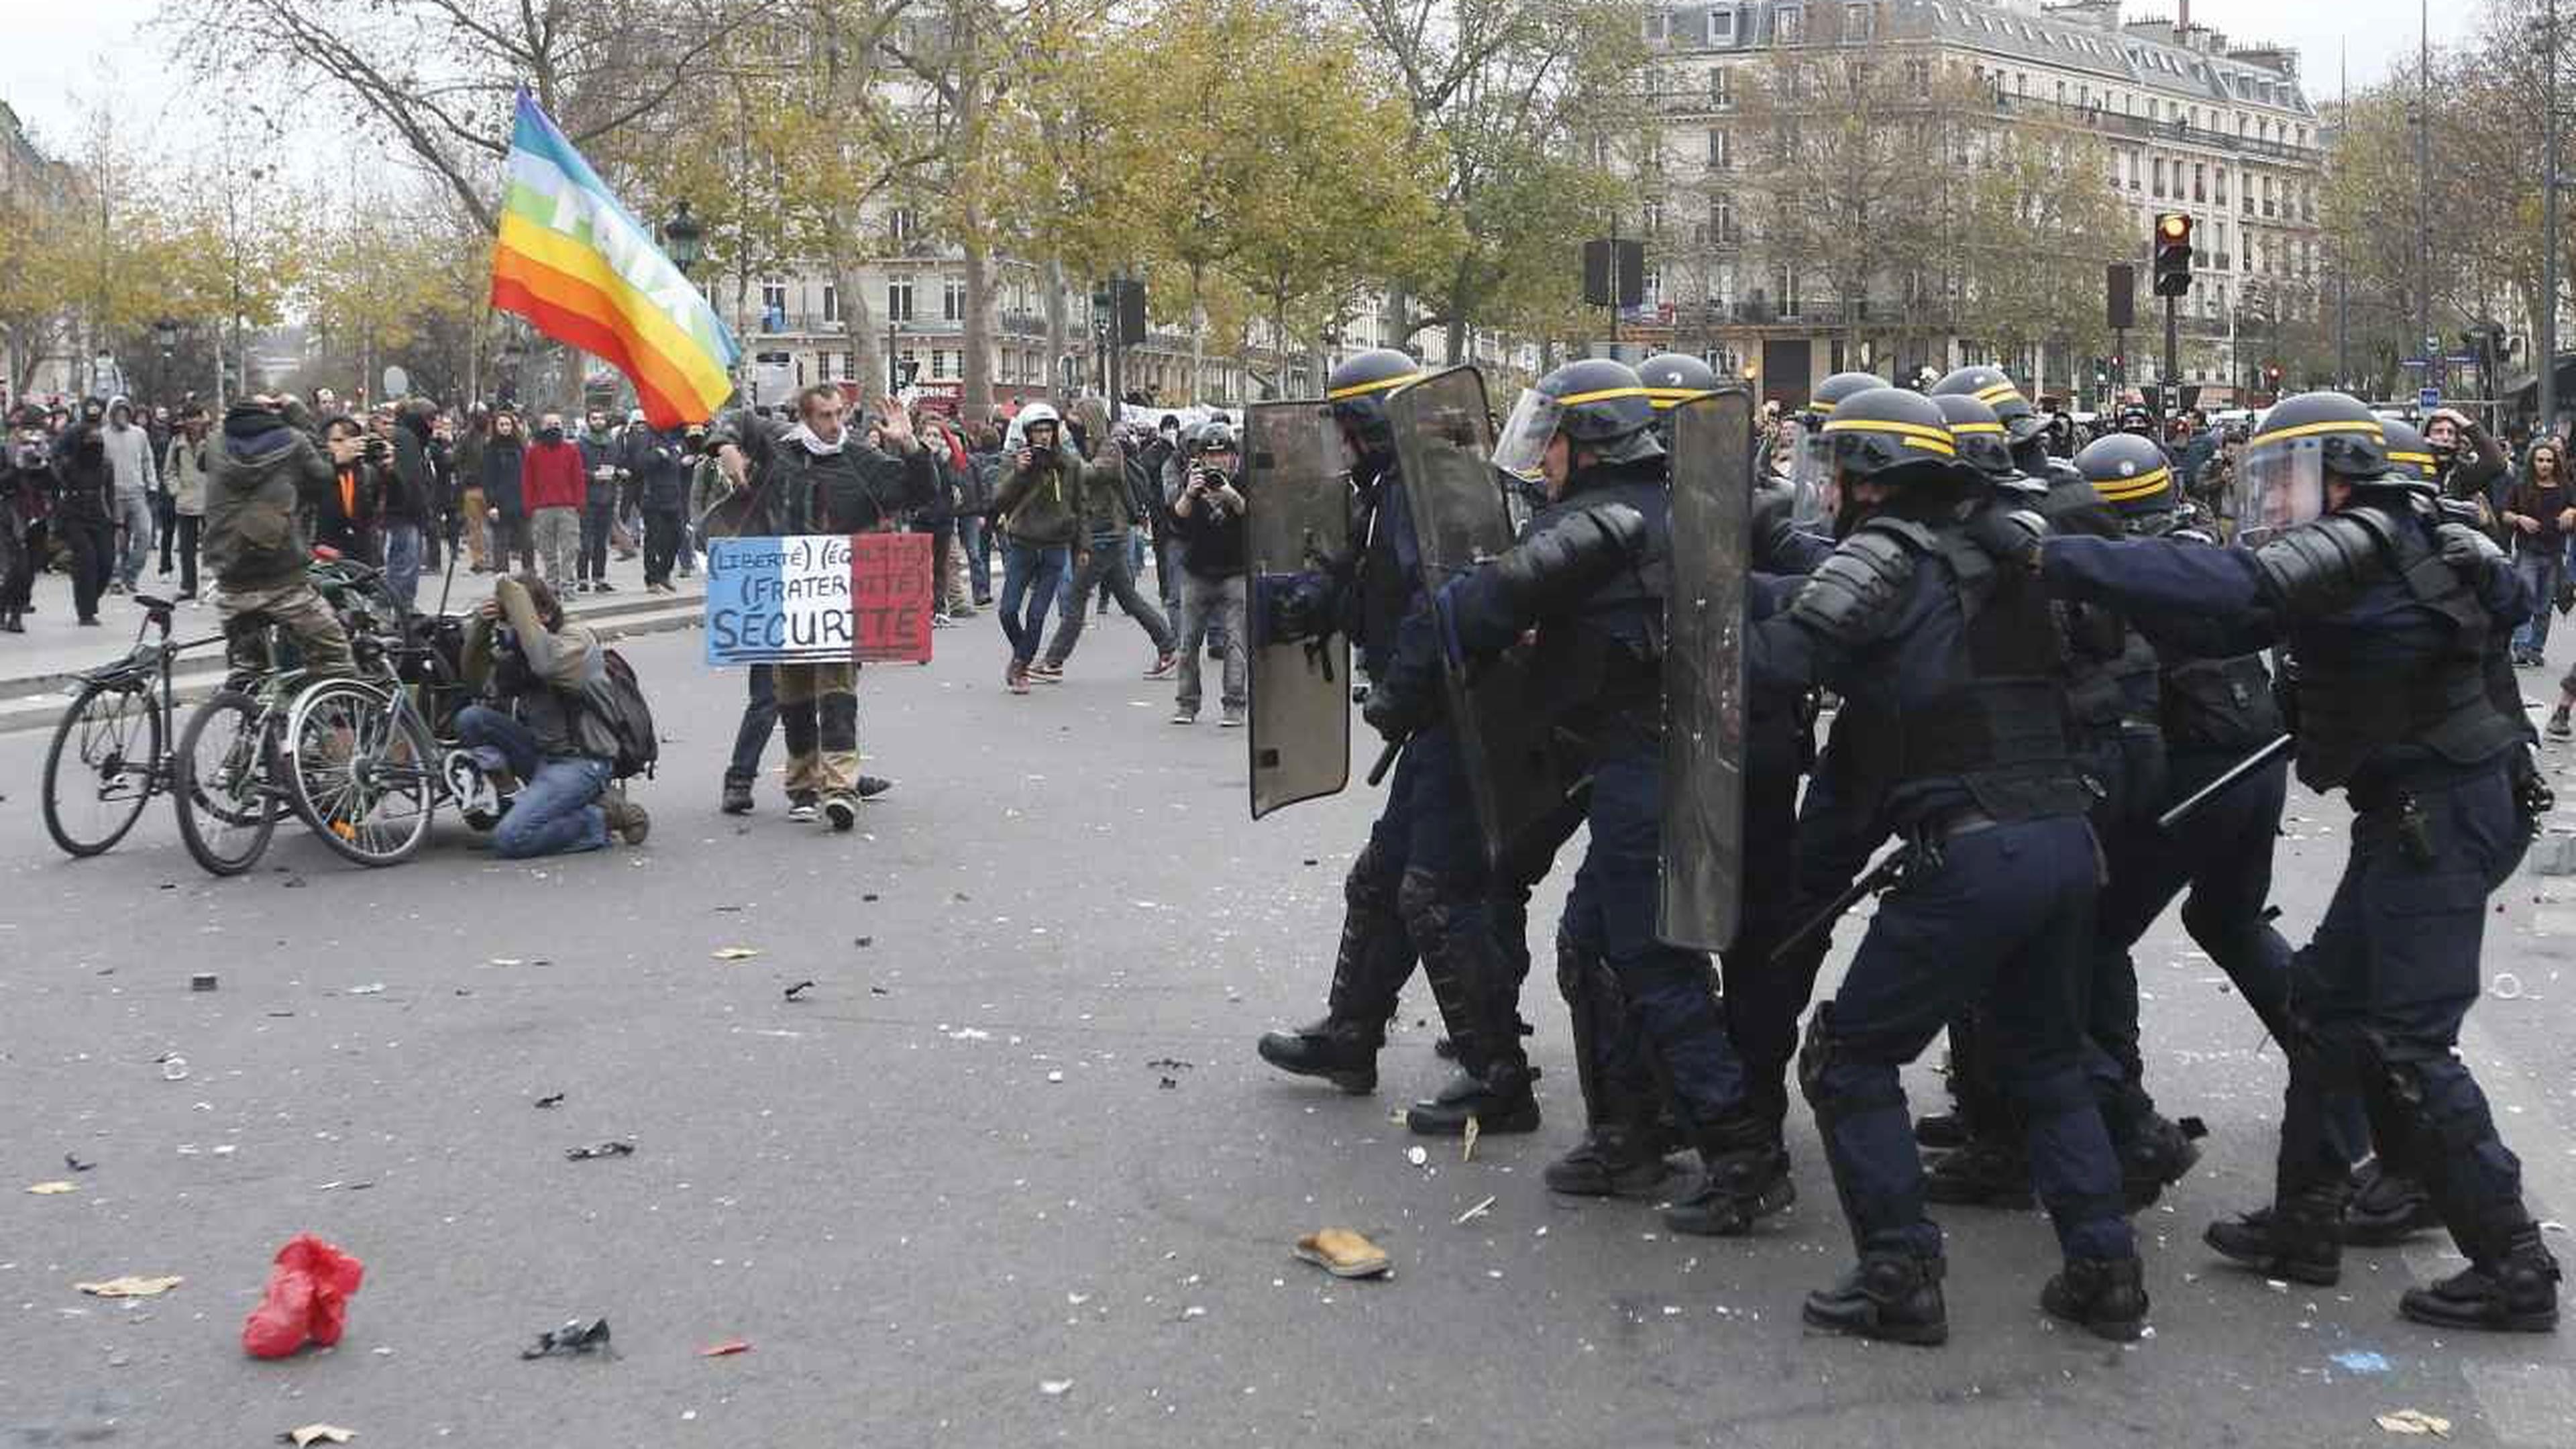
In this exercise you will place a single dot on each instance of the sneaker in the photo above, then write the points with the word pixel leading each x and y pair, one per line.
pixel 627 820
pixel 1232 719
pixel 1185 716
pixel 801 808
pixel 1015 677
pixel 2559 728
pixel 737 797
pixel 871 786
pixel 942 621
pixel 842 811
pixel 603 586
pixel 1163 665
pixel 1045 673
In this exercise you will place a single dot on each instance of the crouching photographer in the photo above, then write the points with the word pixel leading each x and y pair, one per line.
pixel 539 736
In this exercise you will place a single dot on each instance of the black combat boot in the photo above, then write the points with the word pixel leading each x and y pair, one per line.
pixel 1941 1131
pixel 1341 1052
pixel 2301 1239
pixel 1892 1295
pixel 1988 1172
pixel 2107 1296
pixel 2512 1288
pixel 1614 1159
pixel 1499 1100
pixel 1744 1176
pixel 2155 1156
pixel 2387 1208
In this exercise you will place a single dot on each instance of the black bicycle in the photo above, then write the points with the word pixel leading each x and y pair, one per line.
pixel 110 753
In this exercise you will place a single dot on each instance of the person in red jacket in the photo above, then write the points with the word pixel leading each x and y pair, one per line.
pixel 552 486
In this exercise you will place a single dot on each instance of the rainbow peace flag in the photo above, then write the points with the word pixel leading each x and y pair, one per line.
pixel 585 272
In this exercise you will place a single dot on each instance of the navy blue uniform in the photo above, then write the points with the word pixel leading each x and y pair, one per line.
pixel 1419 890
pixel 1952 735
pixel 2399 704
pixel 1601 640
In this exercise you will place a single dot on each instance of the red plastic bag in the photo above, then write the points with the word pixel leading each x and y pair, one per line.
pixel 307 1299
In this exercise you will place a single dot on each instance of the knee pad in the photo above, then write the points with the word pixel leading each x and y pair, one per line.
pixel 1831 1087
pixel 1366 888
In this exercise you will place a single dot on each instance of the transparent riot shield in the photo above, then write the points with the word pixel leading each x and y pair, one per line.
pixel 1297 516
pixel 1703 667
pixel 1460 516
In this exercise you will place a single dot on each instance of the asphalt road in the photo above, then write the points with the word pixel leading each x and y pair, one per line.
pixel 1014 1139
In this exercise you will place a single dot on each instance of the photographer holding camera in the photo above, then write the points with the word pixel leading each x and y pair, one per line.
pixel 345 518
pixel 1207 514
pixel 534 665
pixel 1035 505
pixel 1105 556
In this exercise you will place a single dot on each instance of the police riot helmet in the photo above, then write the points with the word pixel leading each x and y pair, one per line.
pixel 1978 433
pixel 1599 405
pixel 2409 457
pixel 2281 476
pixel 1995 388
pixel 1830 393
pixel 1672 378
pixel 1890 435
pixel 1355 396
pixel 2129 472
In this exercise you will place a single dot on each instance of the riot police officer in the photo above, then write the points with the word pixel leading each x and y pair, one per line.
pixel 1590 576
pixel 1952 734
pixel 2397 704
pixel 2215 708
pixel 1832 839
pixel 1671 379
pixel 2025 430
pixel 1419 888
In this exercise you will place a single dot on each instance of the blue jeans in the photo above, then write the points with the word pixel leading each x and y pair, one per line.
pixel 402 561
pixel 557 807
pixel 975 535
pixel 1031 575
pixel 134 515
pixel 2541 566
pixel 759 722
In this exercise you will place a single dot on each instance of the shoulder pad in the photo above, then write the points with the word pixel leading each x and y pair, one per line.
pixel 2315 568
pixel 1856 590
pixel 1914 534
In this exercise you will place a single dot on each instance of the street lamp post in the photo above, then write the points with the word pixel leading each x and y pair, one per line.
pixel 683 239
pixel 165 336
pixel 513 354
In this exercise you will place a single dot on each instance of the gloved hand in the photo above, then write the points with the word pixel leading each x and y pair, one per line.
pixel 2465 548
pixel 1388 712
pixel 2011 535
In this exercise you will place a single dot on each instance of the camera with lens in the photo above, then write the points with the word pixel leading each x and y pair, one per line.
pixel 377 450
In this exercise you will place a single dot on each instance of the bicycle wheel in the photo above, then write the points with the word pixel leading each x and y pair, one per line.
pixel 225 780
pixel 363 772
pixel 99 770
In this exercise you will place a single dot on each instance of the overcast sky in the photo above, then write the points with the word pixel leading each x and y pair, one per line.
pixel 61 49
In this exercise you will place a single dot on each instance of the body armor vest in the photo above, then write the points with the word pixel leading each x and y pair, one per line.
pixel 2000 728
pixel 2447 703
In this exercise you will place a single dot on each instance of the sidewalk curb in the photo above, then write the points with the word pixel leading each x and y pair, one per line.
pixel 36 702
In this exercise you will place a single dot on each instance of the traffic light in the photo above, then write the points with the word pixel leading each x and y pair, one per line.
pixel 2173 254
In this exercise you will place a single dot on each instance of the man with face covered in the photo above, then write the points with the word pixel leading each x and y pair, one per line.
pixel 552 486
pixel 85 510
pixel 25 500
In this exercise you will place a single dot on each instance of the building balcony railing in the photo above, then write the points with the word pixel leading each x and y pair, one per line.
pixel 2148 128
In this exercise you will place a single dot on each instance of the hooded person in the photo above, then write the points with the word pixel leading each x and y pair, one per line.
pixel 264 473
pixel 128 447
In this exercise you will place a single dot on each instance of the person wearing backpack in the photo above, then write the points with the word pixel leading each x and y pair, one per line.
pixel 552 729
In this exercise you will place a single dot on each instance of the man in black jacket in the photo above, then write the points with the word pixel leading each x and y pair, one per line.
pixel 85 513
pixel 816 479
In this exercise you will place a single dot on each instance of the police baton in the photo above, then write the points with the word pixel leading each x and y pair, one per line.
pixel 1889 871
pixel 1386 760
pixel 2235 775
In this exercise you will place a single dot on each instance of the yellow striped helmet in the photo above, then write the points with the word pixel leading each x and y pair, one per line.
pixel 2129 472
